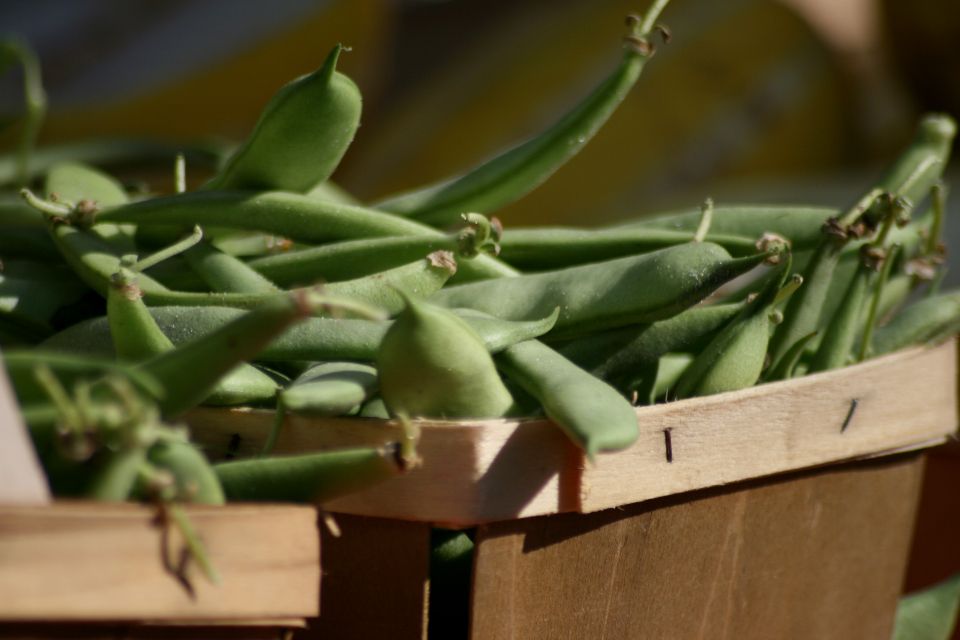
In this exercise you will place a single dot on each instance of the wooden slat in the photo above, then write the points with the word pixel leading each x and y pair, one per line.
pixel 104 562
pixel 494 470
pixel 21 478
pixel 375 577
pixel 880 405
pixel 818 555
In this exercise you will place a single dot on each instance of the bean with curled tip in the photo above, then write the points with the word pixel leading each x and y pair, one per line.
pixel 288 215
pixel 608 294
pixel 589 411
pixel 517 171
pixel 301 134
pixel 910 177
pixel 542 248
pixel 313 339
pixel 308 478
pixel 929 320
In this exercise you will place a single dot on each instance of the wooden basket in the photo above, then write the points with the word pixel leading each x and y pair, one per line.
pixel 756 513
pixel 115 571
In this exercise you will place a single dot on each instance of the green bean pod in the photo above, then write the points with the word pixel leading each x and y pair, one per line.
pixel 224 273
pixel 910 177
pixel 431 364
pixel 601 295
pixel 734 358
pixel 514 173
pixel 928 320
pixel 116 476
pixel 592 413
pixel 194 477
pixel 543 248
pixel 349 259
pixel 797 223
pixel 68 368
pixel 95 262
pixel 137 337
pixel 314 339
pixel 191 371
pixel 301 135
pixel 309 478
pixel 611 352
pixel 288 215
pixel 74 182
pixel 330 389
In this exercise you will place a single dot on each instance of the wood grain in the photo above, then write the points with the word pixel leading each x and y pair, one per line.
pixel 86 561
pixel 883 404
pixel 818 555
pixel 493 470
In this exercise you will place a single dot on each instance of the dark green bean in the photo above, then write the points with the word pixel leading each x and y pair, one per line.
pixel 592 413
pixel 556 247
pixel 301 135
pixel 314 477
pixel 514 173
pixel 635 289
pixel 928 320
pixel 289 215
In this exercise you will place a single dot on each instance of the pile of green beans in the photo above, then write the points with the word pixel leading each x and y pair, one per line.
pixel 270 286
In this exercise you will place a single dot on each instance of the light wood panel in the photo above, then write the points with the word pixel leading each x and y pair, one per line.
pixel 105 562
pixel 818 555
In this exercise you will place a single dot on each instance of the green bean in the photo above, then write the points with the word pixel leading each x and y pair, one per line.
pixel 301 135
pixel 331 192
pixel 616 354
pixel 787 366
pixel 194 478
pixel 289 215
pixel 34 291
pixel 836 347
pixel 191 371
pixel 224 273
pixel 95 262
pixel 556 247
pixel 21 365
pixel 330 389
pixel 928 320
pixel 670 368
pixel 77 183
pixel 35 102
pixel 353 258
pixel 590 412
pixel 601 295
pixel 910 177
pixel 315 477
pixel 451 568
pixel 514 173
pixel 375 408
pixel 114 480
pixel 734 358
pixel 312 339
pixel 799 224
pixel 431 364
